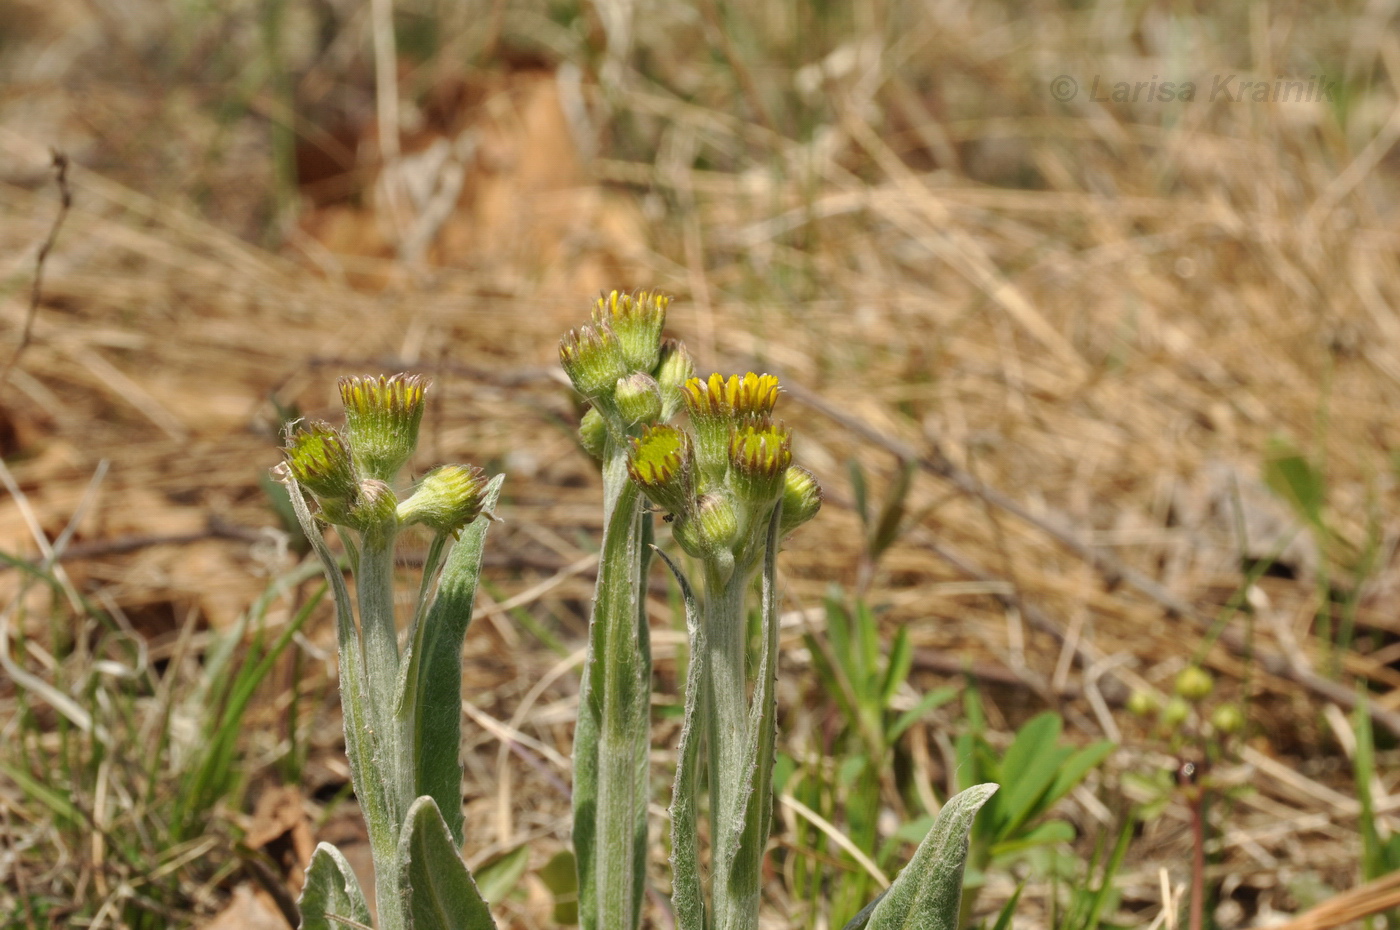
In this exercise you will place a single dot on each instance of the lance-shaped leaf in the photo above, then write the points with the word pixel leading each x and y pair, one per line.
pixel 928 893
pixel 361 743
pixel 612 739
pixel 687 892
pixel 331 891
pixel 440 893
pixel 740 863
pixel 430 698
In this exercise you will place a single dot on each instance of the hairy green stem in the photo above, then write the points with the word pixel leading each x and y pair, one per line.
pixel 728 724
pixel 612 742
pixel 726 702
pixel 375 588
pixel 375 581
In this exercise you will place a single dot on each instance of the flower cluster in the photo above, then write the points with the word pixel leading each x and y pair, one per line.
pixel 720 486
pixel 623 366
pixel 350 473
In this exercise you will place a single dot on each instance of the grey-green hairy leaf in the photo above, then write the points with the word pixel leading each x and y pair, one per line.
pixel 928 893
pixel 440 893
pixel 687 892
pixel 331 889
pixel 740 866
pixel 361 742
pixel 430 706
pixel 612 739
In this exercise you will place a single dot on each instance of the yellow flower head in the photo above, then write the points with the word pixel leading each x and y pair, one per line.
pixel 744 397
pixel 661 462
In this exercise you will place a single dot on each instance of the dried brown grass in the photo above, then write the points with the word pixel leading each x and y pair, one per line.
pixel 1094 310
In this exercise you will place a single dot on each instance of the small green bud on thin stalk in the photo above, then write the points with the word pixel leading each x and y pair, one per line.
pixel 1194 684
pixel 1176 712
pixel 672 372
pixel 1228 719
pixel 637 319
pixel 593 433
pixel 592 358
pixel 447 499
pixel 638 398
pixel 1142 704
pixel 802 498
pixel 382 418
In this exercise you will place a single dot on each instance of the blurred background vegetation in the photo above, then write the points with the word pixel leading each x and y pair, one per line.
pixel 1102 393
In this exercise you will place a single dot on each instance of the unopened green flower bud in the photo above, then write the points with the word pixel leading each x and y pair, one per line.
pixel 638 398
pixel 320 461
pixel 637 319
pixel 382 417
pixel 374 511
pixel 712 529
pixel 1142 704
pixel 802 498
pixel 593 433
pixel 1176 712
pixel 592 358
pixel 661 462
pixel 672 372
pixel 446 500
pixel 1227 719
pixel 717 406
pixel 1194 683
pixel 759 456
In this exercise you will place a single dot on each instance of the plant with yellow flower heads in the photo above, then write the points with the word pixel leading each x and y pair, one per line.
pixel 402 711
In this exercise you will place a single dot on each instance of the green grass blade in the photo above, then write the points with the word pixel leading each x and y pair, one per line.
pixel 1104 891
pixel 1009 910
pixel 1373 860
pixel 901 660
pixel 56 801
pixel 1074 769
pixel 913 715
pixel 1028 769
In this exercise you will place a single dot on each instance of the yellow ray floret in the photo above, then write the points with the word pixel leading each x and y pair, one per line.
pixel 746 397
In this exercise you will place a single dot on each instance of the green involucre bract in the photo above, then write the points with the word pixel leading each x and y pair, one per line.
pixel 382 417
pixel 320 461
pixel 592 358
pixel 447 499
pixel 637 320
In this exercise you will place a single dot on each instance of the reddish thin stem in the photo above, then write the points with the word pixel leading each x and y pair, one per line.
pixel 1198 860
